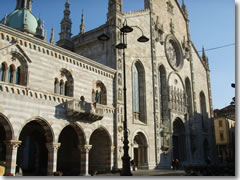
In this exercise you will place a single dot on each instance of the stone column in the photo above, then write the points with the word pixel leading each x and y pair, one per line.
pixel 112 157
pixel 52 157
pixel 85 159
pixel 11 155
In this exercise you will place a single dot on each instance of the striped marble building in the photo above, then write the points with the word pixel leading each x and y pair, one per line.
pixel 61 106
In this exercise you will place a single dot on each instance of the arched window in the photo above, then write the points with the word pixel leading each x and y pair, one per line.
pixel 61 87
pixel 56 86
pixel 18 76
pixel 203 110
pixel 3 71
pixel 11 74
pixel 66 89
pixel 138 90
pixel 99 93
pixel 63 83
pixel 135 81
pixel 163 94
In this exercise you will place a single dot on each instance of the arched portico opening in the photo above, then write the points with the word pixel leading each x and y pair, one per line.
pixel 69 153
pixel 100 154
pixel 5 135
pixel 179 140
pixel 32 155
pixel 140 151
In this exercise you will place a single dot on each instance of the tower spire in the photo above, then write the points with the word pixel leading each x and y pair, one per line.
pixel 24 4
pixel 52 36
pixel 82 26
pixel 66 23
pixel 65 40
pixel 184 9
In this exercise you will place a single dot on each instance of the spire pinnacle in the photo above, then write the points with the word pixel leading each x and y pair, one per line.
pixel 52 36
pixel 203 53
pixel 184 9
pixel 82 26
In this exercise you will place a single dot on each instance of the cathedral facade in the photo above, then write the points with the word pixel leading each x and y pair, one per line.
pixel 62 106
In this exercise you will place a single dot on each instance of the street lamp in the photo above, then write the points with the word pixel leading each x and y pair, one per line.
pixel 126 171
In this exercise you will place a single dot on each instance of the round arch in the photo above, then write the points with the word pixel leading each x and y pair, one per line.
pixel 4 121
pixel 79 131
pixel 72 139
pixel 100 154
pixel 179 140
pixel 140 150
pixel 32 156
pixel 6 134
pixel 45 125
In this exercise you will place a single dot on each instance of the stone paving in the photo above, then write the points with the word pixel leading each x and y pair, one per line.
pixel 159 172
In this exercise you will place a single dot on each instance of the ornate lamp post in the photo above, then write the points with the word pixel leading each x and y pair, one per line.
pixel 126 171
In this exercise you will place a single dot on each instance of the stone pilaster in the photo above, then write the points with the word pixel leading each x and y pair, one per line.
pixel 85 159
pixel 52 157
pixel 112 157
pixel 11 156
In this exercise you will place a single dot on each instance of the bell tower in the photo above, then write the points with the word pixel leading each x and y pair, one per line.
pixel 66 29
pixel 24 4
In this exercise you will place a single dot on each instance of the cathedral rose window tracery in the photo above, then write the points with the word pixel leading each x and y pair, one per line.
pixel 173 52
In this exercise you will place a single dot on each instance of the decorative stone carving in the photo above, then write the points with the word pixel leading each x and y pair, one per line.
pixel 120 94
pixel 173 52
pixel 112 148
pixel 53 146
pixel 119 64
pixel 12 144
pixel 170 7
pixel 119 79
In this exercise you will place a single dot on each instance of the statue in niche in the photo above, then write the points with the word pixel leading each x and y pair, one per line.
pixel 119 79
pixel 119 64
pixel 120 94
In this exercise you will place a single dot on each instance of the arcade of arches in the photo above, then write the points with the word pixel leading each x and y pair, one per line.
pixel 36 153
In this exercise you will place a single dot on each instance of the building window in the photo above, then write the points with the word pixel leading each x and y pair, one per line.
pixel 220 123
pixel 3 70
pixel 63 84
pixel 221 136
pixel 18 76
pixel 135 82
pixel 11 74
pixel 139 94
pixel 56 86
pixel 61 87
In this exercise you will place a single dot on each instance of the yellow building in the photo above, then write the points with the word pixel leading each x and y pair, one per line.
pixel 225 132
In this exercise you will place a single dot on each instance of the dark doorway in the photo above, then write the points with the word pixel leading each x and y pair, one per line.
pixel 100 154
pixel 69 155
pixel 179 141
pixel 2 144
pixel 33 154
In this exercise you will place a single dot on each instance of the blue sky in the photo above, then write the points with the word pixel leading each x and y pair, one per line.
pixel 212 24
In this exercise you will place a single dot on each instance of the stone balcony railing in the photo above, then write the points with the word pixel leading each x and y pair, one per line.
pixel 84 110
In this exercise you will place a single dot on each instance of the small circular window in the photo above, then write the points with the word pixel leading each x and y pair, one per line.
pixel 173 52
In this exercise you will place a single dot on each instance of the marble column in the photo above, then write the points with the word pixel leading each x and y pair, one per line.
pixel 52 157
pixel 85 159
pixel 11 155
